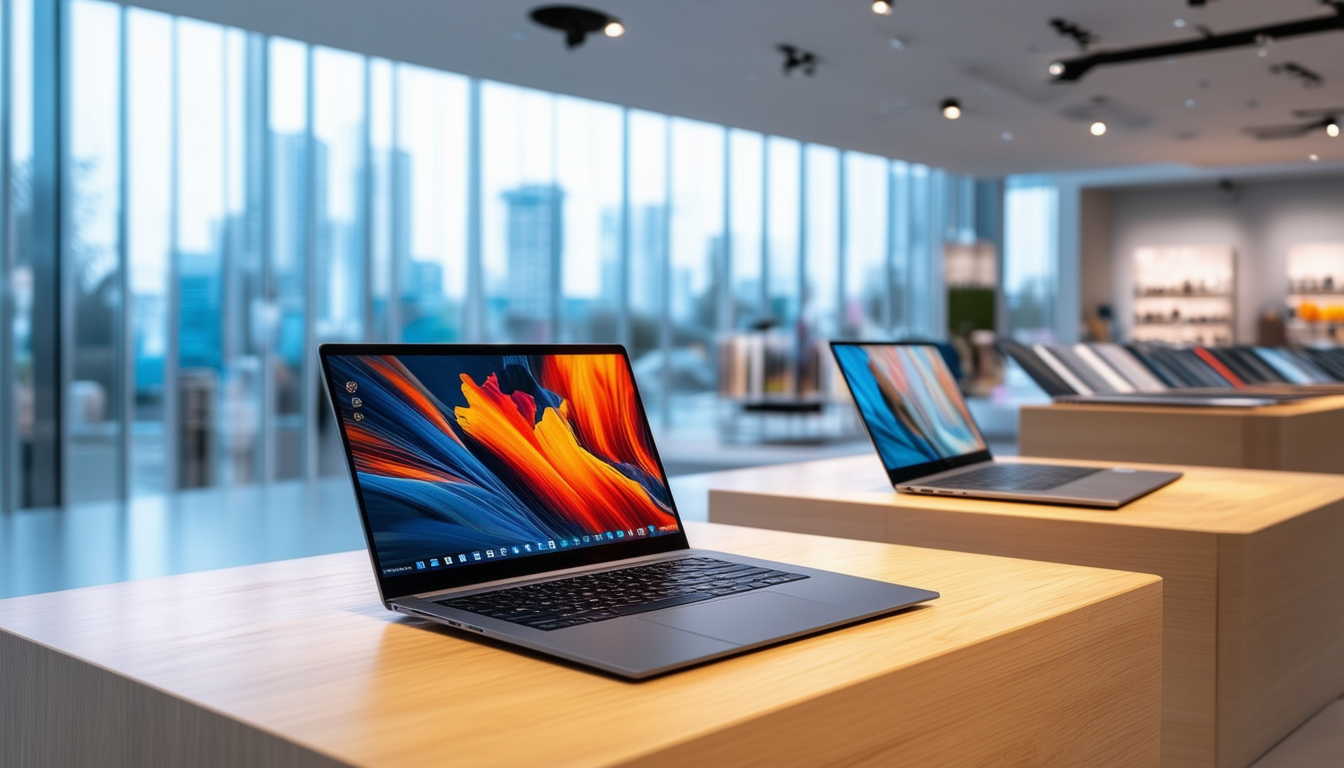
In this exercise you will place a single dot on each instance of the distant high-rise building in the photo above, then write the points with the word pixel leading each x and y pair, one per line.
pixel 535 238
pixel 648 252
pixel 609 293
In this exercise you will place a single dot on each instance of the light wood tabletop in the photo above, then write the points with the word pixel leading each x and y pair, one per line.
pixel 296 663
pixel 1302 436
pixel 1252 562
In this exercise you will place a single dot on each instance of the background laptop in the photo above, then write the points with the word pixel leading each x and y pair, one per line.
pixel 919 423
pixel 515 492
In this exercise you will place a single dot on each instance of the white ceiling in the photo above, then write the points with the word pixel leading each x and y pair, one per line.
pixel 716 60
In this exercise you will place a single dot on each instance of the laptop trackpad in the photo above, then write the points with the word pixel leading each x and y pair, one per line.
pixel 751 618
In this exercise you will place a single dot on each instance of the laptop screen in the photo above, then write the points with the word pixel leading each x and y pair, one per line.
pixel 463 461
pixel 911 406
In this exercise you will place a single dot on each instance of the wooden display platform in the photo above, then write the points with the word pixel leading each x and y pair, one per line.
pixel 1305 436
pixel 1252 563
pixel 296 664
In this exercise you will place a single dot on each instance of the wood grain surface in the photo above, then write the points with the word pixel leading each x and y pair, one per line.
pixel 1303 436
pixel 1019 663
pixel 1251 562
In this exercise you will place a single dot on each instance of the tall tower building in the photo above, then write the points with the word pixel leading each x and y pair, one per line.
pixel 535 238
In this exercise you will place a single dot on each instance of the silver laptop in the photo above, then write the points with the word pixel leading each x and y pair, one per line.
pixel 515 492
pixel 929 444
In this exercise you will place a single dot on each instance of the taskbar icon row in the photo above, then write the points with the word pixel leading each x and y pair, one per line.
pixel 532 548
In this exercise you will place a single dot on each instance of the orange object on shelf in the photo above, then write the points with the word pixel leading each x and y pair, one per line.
pixel 1333 313
pixel 1309 311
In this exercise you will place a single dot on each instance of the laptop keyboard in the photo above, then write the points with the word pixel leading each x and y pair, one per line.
pixel 1015 477
pixel 606 595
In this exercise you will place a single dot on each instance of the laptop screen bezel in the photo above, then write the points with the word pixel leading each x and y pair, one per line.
pixel 393 587
pixel 900 475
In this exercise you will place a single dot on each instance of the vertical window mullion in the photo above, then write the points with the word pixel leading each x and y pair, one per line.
pixel 665 282
pixel 9 476
pixel 307 374
pixel 623 335
pixel 474 321
pixel 365 207
pixel 126 358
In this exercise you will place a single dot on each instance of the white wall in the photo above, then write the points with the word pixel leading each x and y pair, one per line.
pixel 1260 220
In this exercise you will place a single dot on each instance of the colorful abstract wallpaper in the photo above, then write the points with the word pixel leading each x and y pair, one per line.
pixel 461 452
pixel 909 402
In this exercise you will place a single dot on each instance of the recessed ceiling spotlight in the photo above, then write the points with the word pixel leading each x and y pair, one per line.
pixel 1098 128
pixel 577 23
pixel 1007 136
pixel 1332 129
pixel 897 44
pixel 882 7
pixel 951 109
pixel 1315 158
pixel 1189 103
pixel 1178 23
pixel 1056 69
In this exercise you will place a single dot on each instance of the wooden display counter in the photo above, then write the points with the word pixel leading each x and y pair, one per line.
pixel 1306 436
pixel 296 664
pixel 1252 563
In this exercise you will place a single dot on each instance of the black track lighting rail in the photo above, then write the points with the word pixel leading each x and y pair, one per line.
pixel 1073 69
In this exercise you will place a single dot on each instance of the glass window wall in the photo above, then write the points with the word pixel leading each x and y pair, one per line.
pixel 93 255
pixel 1029 258
pixel 865 312
pixel 232 199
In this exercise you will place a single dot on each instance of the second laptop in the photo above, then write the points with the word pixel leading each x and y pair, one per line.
pixel 929 443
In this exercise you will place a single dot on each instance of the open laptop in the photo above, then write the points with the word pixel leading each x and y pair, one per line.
pixel 514 491
pixel 929 444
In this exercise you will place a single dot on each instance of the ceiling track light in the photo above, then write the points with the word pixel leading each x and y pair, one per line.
pixel 1098 128
pixel 951 109
pixel 1316 120
pixel 577 23
pixel 1069 70
pixel 796 58
pixel 882 7
pixel 1080 36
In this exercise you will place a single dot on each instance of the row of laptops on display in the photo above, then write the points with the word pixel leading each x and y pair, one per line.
pixel 1163 374
pixel 467 449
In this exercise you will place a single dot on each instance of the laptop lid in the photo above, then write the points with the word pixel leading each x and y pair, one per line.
pixel 911 407
pixel 473 463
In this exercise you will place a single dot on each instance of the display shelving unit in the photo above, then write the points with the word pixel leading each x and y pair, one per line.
pixel 1185 294
pixel 1316 292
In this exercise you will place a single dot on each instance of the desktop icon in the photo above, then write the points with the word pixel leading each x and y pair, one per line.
pixel 585 539
pixel 610 535
pixel 420 565
pixel 564 543
pixel 351 387
pixel 550 545
pixel 527 547
pixel 356 402
pixel 475 555
pixel 620 534
pixel 489 553
pixel 652 530
pixel 641 531
pixel 515 550
pixel 576 541
pixel 358 416
pixel 461 558
pixel 434 562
